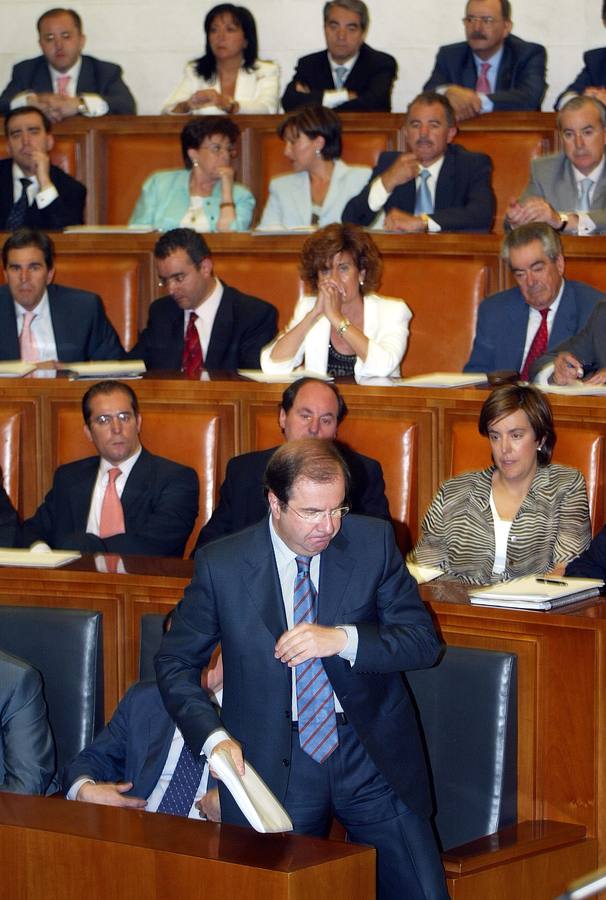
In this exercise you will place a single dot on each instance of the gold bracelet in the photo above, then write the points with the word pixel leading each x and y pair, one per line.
pixel 343 326
pixel 228 203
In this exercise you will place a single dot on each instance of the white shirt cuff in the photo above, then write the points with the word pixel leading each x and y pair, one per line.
pixel 487 104
pixel 21 99
pixel 350 650
pixel 432 226
pixel 544 374
pixel 335 97
pixel 377 195
pixel 46 197
pixel 214 738
pixel 95 105
pixel 73 791
pixel 586 224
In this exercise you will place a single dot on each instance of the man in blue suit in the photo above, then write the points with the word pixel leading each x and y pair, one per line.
pixel 492 69
pixel 592 79
pixel 359 757
pixel 508 321
pixel 63 83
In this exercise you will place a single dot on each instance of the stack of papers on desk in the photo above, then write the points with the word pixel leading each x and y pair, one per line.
pixel 537 592
pixel 252 795
pixel 576 389
pixel 37 559
pixel 282 377
pixel 15 368
pixel 107 368
pixel 442 380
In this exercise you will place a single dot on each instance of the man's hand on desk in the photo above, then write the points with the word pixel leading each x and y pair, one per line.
pixel 110 794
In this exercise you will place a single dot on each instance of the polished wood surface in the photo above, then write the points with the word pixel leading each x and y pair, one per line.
pixel 62 850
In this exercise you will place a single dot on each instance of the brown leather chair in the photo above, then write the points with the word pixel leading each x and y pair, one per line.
pixel 10 447
pixel 68 153
pixel 582 449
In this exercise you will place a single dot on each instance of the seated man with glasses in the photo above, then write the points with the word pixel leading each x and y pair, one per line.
pixel 491 69
pixel 125 500
pixel 202 323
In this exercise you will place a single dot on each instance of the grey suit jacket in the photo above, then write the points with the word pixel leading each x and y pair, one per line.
pixel 552 178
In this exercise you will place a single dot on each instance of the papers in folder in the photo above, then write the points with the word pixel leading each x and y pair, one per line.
pixel 112 368
pixel 282 377
pixel 576 389
pixel 37 559
pixel 443 380
pixel 11 368
pixel 537 592
pixel 252 795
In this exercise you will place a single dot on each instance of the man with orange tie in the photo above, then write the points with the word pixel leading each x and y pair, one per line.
pixel 125 500
pixel 202 323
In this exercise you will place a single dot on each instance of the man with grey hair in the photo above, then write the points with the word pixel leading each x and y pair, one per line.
pixel 517 326
pixel 567 190
pixel 349 75
pixel 491 69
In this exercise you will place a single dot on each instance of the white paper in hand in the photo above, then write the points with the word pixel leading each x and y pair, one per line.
pixel 252 795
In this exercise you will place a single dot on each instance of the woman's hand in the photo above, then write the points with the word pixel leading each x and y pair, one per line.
pixel 330 298
pixel 207 97
pixel 227 175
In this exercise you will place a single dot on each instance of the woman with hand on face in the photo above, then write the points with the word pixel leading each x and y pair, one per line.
pixel 204 195
pixel 523 515
pixel 228 78
pixel 345 328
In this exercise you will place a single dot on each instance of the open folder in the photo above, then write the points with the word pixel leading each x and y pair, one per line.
pixel 537 592
pixel 252 795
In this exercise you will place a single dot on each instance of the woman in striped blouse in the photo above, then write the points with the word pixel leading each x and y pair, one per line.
pixel 520 516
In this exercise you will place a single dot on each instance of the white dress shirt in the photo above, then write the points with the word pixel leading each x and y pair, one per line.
pixel 42 328
pixel 586 224
pixel 42 199
pixel 95 104
pixel 378 196
pixel 337 96
pixel 126 467
pixel 206 312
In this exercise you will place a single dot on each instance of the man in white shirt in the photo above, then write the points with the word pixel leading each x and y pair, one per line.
pixel 62 82
pixel 567 190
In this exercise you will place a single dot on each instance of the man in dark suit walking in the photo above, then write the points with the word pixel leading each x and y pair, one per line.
pixel 64 83
pixel 32 191
pixel 435 185
pixel 203 323
pixel 349 75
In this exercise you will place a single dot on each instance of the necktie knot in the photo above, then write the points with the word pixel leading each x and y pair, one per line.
pixel 62 84
pixel 113 473
pixel 25 183
pixel 303 564
pixel 482 83
pixel 585 185
pixel 424 174
pixel 544 313
pixel 340 72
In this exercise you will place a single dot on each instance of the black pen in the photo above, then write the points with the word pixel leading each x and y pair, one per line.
pixel 551 581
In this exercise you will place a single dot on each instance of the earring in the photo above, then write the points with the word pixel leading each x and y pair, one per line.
pixel 318 152
pixel 195 163
pixel 361 282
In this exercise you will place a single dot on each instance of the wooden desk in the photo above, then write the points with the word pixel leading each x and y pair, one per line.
pixel 62 850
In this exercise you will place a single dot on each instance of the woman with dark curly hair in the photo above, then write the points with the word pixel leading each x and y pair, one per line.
pixel 345 328
pixel 203 195
pixel 228 78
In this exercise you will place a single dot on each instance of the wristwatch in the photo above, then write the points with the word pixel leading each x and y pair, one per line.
pixel 82 107
pixel 425 219
pixel 563 220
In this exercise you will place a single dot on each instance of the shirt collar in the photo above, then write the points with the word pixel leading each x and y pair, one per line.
pixel 74 72
pixel 494 61
pixel 125 466
pixel 19 173
pixel 594 176
pixel 207 309
pixel 346 65
pixel 41 309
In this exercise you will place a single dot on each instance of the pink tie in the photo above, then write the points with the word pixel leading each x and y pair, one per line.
pixel 27 341
pixel 483 84
pixel 62 84
pixel 112 515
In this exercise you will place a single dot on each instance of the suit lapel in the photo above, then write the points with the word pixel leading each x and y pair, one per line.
pixel 518 326
pixel 565 322
pixel 9 339
pixel 469 74
pixel 42 81
pixel 222 332
pixel 324 76
pixel 86 78
pixel 81 492
pixel 262 582
pixel 6 189
pixel 336 572
pixel 504 74
pixel 137 485
pixel 446 182
pixel 154 749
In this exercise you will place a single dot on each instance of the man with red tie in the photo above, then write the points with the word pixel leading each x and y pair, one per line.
pixel 202 323
pixel 125 500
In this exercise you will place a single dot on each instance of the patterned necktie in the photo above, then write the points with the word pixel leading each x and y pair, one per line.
pixel 585 186
pixel 538 346
pixel 181 791
pixel 340 75
pixel 315 701
pixel 18 212
pixel 111 520
pixel 62 85
pixel 483 84
pixel 27 342
pixel 423 201
pixel 192 359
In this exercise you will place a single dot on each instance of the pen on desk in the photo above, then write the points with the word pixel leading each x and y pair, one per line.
pixel 551 581
pixel 578 369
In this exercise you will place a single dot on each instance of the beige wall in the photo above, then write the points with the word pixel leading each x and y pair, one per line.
pixel 153 40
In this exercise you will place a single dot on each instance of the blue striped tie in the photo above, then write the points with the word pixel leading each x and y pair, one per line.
pixel 185 781
pixel 423 202
pixel 315 702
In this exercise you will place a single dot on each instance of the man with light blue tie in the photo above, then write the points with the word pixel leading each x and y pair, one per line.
pixel 434 186
pixel 567 190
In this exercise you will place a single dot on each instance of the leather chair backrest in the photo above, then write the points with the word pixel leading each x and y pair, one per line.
pixel 150 636
pixel 66 646
pixel 467 707
pixel 581 448
pixel 10 447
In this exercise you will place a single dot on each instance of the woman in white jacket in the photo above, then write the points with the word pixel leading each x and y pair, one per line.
pixel 345 328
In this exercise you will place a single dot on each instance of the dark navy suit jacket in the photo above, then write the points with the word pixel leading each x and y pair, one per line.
pixel 235 597
pixel 593 75
pixel 242 327
pixel 503 321
pixel 96 77
pixel 464 199
pixel 588 345
pixel 592 562
pixel 520 80
pixel 82 330
pixel 66 209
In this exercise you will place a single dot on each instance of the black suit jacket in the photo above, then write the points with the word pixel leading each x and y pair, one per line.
pixel 82 330
pixel 588 345
pixel 372 78
pixel 67 209
pixel 520 80
pixel 9 520
pixel 160 503
pixel 242 500
pixel 464 199
pixel 242 327
pixel 592 562
pixel 593 74
pixel 96 77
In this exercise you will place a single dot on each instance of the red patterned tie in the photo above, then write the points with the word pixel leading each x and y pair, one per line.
pixel 538 346
pixel 111 520
pixel 483 84
pixel 192 359
pixel 63 84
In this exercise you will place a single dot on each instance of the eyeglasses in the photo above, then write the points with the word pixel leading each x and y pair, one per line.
pixel 217 149
pixel 318 514
pixel 106 419
pixel 178 278
pixel 482 20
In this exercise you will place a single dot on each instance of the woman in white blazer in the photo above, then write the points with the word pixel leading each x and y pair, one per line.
pixel 321 184
pixel 345 328
pixel 228 78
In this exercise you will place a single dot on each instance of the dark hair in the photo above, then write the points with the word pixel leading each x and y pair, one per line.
pixel 426 98
pixel 526 234
pixel 206 65
pixel 318 461
pixel 354 6
pixel 29 237
pixel 107 387
pixel 505 9
pixel 604 9
pixel 198 129
pixel 579 102
pixel 321 247
pixel 508 399
pixel 22 111
pixel 315 121
pixel 290 394
pixel 182 239
pixel 60 11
